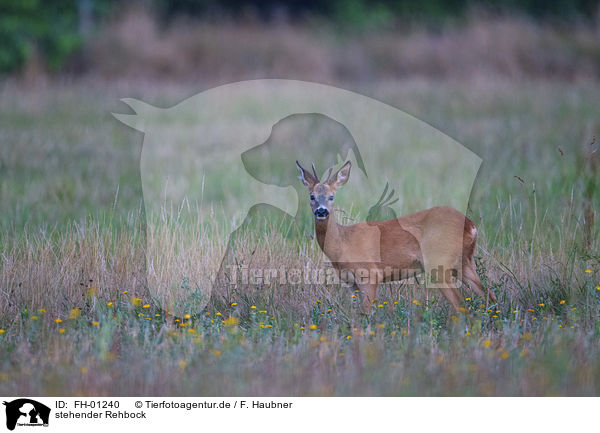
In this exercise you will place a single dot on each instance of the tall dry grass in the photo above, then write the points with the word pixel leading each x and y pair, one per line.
pixel 73 239
pixel 134 46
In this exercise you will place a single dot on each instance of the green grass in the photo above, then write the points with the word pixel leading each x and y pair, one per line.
pixel 73 235
pixel 130 350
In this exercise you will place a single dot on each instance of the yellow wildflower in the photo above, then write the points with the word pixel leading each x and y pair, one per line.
pixel 136 301
pixel 231 321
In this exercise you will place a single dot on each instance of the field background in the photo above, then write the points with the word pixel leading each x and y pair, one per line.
pixel 518 88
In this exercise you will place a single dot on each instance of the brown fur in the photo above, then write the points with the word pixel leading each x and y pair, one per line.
pixel 437 237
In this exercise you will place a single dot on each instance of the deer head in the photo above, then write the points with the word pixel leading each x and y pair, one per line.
pixel 322 194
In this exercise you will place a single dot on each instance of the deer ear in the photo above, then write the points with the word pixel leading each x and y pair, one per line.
pixel 306 177
pixel 341 176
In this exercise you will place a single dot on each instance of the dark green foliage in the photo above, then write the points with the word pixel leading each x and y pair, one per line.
pixel 360 12
pixel 51 28
pixel 54 30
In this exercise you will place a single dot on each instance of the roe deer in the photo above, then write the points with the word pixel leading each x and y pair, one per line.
pixel 439 241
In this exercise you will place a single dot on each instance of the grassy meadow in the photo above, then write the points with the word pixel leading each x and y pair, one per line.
pixel 76 317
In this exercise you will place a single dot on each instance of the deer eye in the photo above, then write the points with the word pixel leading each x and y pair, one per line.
pixel 330 198
pixel 312 197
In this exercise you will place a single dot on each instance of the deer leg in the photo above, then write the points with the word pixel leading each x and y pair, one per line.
pixel 472 279
pixel 368 293
pixel 450 294
pixel 457 293
pixel 443 280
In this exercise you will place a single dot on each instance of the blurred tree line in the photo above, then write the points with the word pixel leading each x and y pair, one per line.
pixel 56 29
pixel 406 9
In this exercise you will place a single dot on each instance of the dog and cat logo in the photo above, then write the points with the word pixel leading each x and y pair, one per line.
pixel 26 412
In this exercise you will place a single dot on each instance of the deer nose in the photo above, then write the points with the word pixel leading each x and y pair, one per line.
pixel 321 212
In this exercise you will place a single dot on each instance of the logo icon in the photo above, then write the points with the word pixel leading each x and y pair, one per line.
pixel 218 173
pixel 26 412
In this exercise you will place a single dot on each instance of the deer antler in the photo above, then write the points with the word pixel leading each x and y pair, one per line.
pixel 329 173
pixel 315 172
